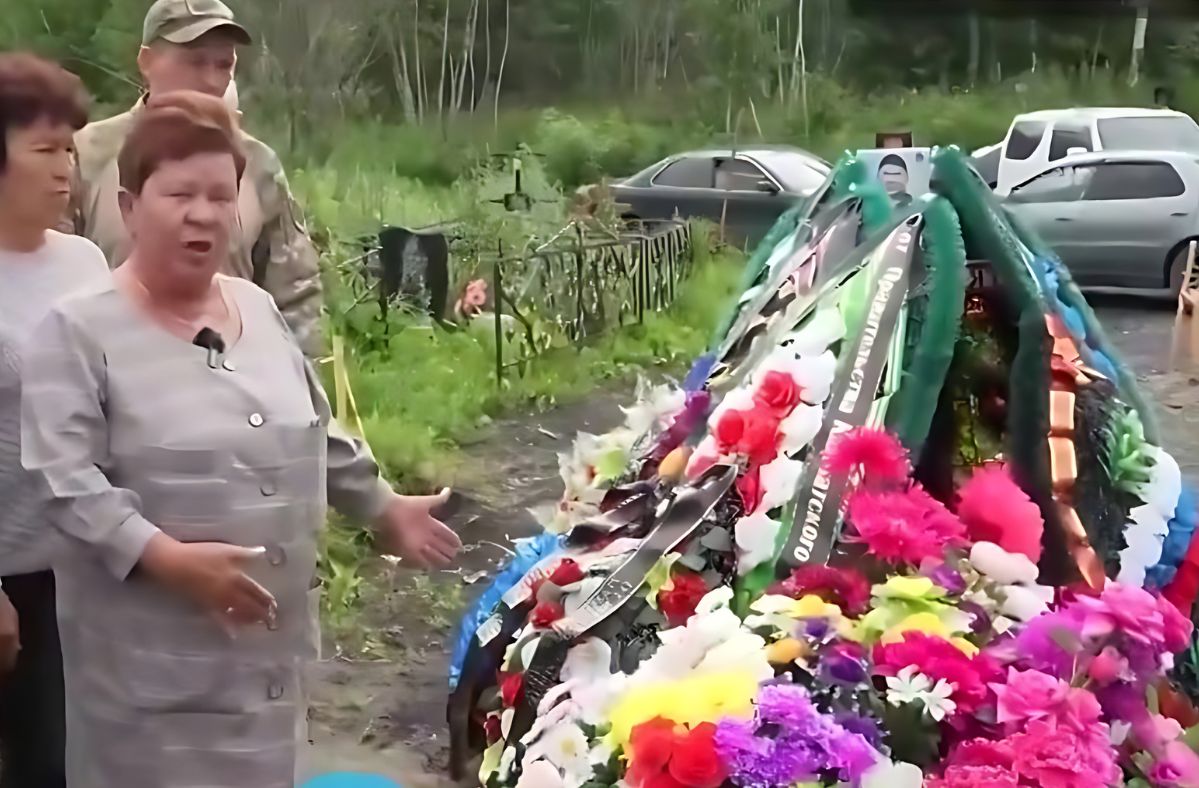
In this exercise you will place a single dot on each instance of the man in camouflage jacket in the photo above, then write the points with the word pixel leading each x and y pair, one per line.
pixel 192 45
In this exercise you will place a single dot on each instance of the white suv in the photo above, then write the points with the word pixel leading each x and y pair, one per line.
pixel 1036 140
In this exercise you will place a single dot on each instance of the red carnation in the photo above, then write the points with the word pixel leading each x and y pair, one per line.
pixel 749 486
pixel 695 762
pixel 779 392
pixel 846 588
pixel 678 604
pixel 566 573
pixel 546 613
pixel 492 728
pixel 760 437
pixel 728 430
pixel 663 754
pixel 512 688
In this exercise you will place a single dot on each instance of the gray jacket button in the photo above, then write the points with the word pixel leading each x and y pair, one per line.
pixel 275 555
pixel 274 691
pixel 229 366
pixel 268 488
pixel 256 420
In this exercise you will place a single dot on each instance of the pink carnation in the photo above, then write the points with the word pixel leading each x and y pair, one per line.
pixel 939 659
pixel 978 763
pixel 1032 695
pixel 903 527
pixel 874 453
pixel 1054 756
pixel 995 509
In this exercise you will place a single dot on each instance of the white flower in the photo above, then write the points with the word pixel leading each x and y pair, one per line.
pixel 1001 566
pixel 779 480
pixel 1165 483
pixel 566 747
pixel 887 774
pixel 814 374
pixel 755 537
pixel 910 686
pixel 654 410
pixel 1026 603
pixel 800 427
pixel 540 774
pixel 712 641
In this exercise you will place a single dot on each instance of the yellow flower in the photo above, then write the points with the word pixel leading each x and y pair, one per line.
pixel 812 606
pixel 965 646
pixel 928 623
pixel 689 701
pixel 913 588
pixel 786 651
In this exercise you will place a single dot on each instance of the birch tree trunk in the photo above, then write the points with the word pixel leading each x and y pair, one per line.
pixel 975 48
pixel 499 79
pixel 445 56
pixel 1138 44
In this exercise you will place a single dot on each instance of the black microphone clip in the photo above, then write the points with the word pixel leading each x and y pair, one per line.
pixel 213 342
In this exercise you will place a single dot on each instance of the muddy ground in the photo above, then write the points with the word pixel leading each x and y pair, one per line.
pixel 379 707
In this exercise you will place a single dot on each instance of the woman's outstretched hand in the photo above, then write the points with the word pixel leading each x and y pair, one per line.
pixel 212 575
pixel 410 531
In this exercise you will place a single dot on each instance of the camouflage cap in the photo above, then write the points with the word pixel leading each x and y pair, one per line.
pixel 184 21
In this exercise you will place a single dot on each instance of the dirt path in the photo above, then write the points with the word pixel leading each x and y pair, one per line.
pixel 383 710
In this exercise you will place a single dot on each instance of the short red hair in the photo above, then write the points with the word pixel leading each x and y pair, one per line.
pixel 33 89
pixel 173 126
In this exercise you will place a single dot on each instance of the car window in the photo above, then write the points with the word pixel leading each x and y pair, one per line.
pixel 1134 181
pixel 1067 136
pixel 1024 139
pixel 1171 132
pixel 798 172
pixel 1062 184
pixel 691 172
pixel 739 175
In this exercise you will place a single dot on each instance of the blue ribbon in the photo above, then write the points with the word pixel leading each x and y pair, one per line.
pixel 1178 540
pixel 528 553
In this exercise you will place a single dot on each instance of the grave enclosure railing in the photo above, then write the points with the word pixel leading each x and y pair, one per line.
pixel 579 287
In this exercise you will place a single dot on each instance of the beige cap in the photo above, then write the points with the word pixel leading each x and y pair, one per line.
pixel 184 21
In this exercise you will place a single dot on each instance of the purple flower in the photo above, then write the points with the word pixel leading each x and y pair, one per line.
pixel 790 740
pixel 844 663
pixel 979 622
pixel 947 577
pixel 865 727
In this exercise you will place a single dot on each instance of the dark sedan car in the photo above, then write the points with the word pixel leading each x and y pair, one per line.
pixel 750 187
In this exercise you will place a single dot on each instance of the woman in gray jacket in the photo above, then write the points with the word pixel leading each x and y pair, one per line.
pixel 188 447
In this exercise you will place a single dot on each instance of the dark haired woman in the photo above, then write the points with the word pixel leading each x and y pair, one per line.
pixel 41 106
pixel 188 447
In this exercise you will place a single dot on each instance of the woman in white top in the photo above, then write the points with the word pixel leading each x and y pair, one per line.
pixel 41 105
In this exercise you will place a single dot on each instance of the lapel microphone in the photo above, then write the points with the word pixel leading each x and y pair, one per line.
pixel 213 342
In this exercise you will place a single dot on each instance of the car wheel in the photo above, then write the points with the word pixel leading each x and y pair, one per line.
pixel 1178 267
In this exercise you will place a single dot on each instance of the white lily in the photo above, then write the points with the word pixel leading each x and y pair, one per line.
pixel 655 410
pixel 755 536
pixel 1165 482
pixel 1024 603
pixel 779 480
pixel 800 427
pixel 1001 566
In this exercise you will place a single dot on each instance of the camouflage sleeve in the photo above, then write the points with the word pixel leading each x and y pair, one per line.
pixel 71 222
pixel 287 266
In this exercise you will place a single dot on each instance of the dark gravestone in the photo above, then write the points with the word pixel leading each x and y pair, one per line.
pixel 415 266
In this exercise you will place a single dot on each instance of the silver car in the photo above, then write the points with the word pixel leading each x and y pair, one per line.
pixel 1116 218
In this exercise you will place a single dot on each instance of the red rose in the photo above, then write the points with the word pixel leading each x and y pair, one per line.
pixel 566 573
pixel 760 437
pixel 695 763
pixel 662 780
pixel 546 613
pixel 679 603
pixel 512 688
pixel 749 486
pixel 491 726
pixel 779 392
pixel 729 429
